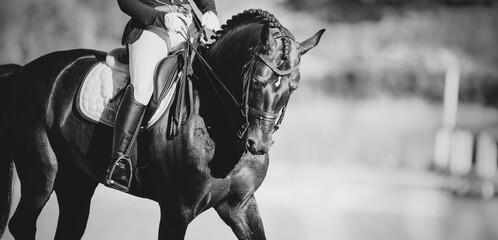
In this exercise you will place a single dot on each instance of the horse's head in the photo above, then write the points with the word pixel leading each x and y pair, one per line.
pixel 258 60
pixel 272 75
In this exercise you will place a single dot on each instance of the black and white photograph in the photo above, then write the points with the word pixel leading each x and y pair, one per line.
pixel 249 120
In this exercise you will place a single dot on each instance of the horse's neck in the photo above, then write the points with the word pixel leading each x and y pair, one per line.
pixel 227 150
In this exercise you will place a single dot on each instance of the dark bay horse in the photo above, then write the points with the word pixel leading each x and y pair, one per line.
pixel 219 159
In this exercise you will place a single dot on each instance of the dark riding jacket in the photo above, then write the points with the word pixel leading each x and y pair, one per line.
pixel 144 14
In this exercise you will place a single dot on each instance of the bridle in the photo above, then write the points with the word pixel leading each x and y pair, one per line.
pixel 248 74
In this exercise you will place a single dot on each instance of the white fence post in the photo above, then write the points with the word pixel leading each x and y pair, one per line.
pixel 461 152
pixel 486 156
pixel 443 141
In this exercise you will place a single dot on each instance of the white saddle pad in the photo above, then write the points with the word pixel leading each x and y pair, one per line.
pixel 101 85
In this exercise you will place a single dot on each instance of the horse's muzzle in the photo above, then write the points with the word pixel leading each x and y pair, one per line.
pixel 256 147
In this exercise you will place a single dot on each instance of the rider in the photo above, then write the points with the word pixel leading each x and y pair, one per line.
pixel 156 26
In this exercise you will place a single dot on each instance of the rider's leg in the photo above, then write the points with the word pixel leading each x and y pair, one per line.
pixel 145 53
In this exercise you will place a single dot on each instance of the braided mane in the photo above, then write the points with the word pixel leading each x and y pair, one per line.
pixel 255 16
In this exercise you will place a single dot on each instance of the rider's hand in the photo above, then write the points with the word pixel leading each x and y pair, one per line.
pixel 176 22
pixel 210 21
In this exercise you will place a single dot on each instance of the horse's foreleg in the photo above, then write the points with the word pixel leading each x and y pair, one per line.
pixel 243 217
pixel 74 193
pixel 173 224
pixel 36 166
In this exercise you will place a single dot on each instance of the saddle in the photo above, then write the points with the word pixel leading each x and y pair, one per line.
pixel 103 88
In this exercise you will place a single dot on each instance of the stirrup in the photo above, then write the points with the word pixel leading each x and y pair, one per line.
pixel 110 182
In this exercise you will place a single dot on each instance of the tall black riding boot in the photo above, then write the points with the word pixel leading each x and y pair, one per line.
pixel 126 127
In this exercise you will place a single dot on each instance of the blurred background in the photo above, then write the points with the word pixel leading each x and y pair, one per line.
pixel 391 134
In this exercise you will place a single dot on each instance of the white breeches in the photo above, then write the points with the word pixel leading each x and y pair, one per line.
pixel 145 54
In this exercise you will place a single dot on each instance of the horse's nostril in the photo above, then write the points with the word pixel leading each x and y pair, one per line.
pixel 250 143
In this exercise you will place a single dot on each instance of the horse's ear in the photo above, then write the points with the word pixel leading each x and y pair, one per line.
pixel 266 36
pixel 311 42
